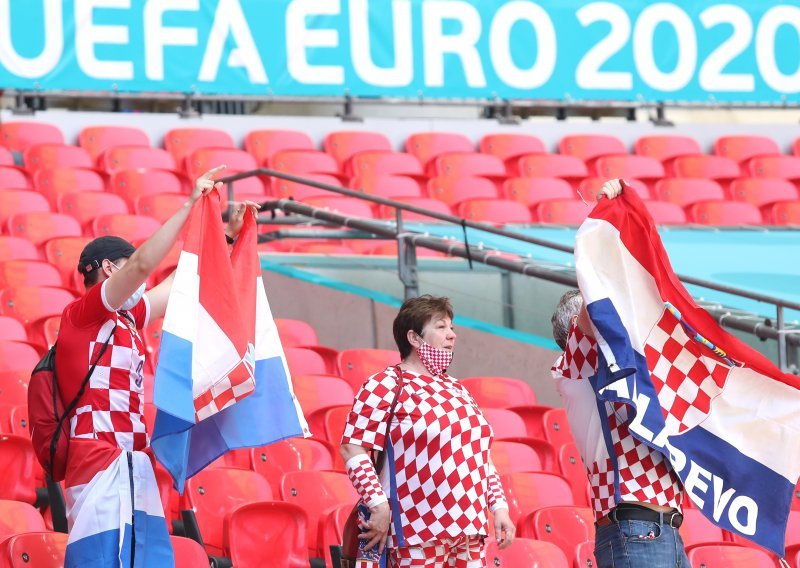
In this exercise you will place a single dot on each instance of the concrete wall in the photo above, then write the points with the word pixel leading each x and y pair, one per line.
pixel 344 320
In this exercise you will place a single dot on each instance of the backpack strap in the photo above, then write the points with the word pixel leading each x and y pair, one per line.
pixel 377 457
pixel 71 406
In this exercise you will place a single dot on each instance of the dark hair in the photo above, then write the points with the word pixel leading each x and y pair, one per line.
pixel 414 314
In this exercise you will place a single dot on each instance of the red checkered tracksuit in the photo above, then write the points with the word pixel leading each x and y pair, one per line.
pixel 444 481
pixel 644 474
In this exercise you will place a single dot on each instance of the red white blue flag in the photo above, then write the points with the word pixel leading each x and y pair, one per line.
pixel 221 382
pixel 725 417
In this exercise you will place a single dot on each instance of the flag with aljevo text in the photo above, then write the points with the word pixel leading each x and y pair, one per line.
pixel 725 416
pixel 221 382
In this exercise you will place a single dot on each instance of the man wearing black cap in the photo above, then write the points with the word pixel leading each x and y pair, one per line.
pixel 109 415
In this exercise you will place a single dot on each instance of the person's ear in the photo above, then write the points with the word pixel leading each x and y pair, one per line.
pixel 413 338
pixel 107 268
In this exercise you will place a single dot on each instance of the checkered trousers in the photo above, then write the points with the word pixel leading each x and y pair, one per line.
pixel 441 447
pixel 113 406
pixel 462 552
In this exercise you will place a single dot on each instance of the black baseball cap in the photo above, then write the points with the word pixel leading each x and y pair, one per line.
pixel 109 247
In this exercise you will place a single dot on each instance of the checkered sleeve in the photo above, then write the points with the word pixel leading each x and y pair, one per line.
pixel 366 423
pixel 496 497
pixel 364 478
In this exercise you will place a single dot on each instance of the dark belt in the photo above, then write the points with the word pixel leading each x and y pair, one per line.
pixel 630 512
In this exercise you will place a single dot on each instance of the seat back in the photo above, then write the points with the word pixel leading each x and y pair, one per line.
pixel 123 158
pixel 697 529
pixel 505 423
pixel 180 142
pixel 320 391
pixel 453 190
pixel 785 213
pixel 349 206
pixel 572 469
pixel 531 191
pixel 666 147
pixel 63 253
pixel 564 526
pixel 18 135
pixel 36 550
pixel 17 517
pixel 495 211
pixel 557 428
pixel 552 165
pixel 187 553
pixel 48 156
pixel 98 139
pixel 11 329
pixel 687 191
pixel 499 392
pixel 590 146
pixel 528 491
pixel 357 365
pixel 284 189
pixel 469 164
pixel 41 227
pixel 742 148
pixel 562 212
pixel 201 160
pixel 263 144
pixel 725 556
pixel 783 167
pixel 292 454
pixel 703 166
pixel 295 333
pixel 665 213
pixel 14 178
pixel 21 273
pixel 303 361
pixel 304 162
pixel 129 227
pixel 21 201
pixel 428 145
pixel 17 461
pixel 725 213
pixel 627 166
pixel 513 457
pixel 85 207
pixel 159 206
pixel 507 146
pixel 426 203
pixel 761 192
pixel 259 534
pixel 525 552
pixel 376 163
pixel 18 248
pixel 343 144
pixel 584 555
pixel 31 303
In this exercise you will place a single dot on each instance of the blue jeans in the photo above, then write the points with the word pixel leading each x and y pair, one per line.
pixel 639 544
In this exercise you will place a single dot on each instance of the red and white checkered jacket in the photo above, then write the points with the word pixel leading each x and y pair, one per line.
pixel 644 474
pixel 445 484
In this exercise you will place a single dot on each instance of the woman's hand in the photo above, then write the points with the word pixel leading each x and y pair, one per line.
pixel 376 529
pixel 611 189
pixel 237 217
pixel 206 183
pixel 503 528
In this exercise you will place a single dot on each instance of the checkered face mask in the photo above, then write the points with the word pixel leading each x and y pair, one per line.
pixel 435 360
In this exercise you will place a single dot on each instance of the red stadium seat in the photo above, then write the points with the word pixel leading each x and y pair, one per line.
pixel 697 529
pixel 17 517
pixel 372 163
pixel 572 469
pixel 343 144
pixel 784 213
pixel 284 189
pixel 97 139
pixel 390 187
pixel 18 463
pixel 762 192
pixel 357 365
pixel 724 213
pixel 589 147
pixel 508 147
pixel 530 191
pixel 584 555
pixel 323 248
pixel 499 392
pixel 453 190
pixel 6 157
pixel 495 211
pixel 783 167
pixel 295 333
pixel 123 158
pixel 129 227
pixel 85 207
pixel 34 550
pixel 53 183
pixel 18 135
pixel 201 160
pixel 292 454
pixel 525 552
pixel 726 556
pixel 687 191
pixel 564 526
pixel 711 167
pixel 14 375
pixel 263 144
pixel 188 553
pixel 552 165
pixel 426 203
pixel 21 273
pixel 159 206
pixel 260 534
pixel 505 423
pixel 529 491
pixel 14 178
pixel 180 142
pixel 468 164
pixel 299 162
pixel 41 227
pixel 12 248
pixel 317 492
pixel 320 391
pixel 12 330
pixel 349 206
pixel 642 168
pixel 303 361
pixel 665 213
pixel 50 328
pixel 131 184
pixel 666 147
pixel 514 457
pixel 214 492
pixel 556 427
pixel 335 421
pixel 331 529
pixel 48 156
pixel 561 212
pixel 34 302
pixel 428 145
pixel 63 253
pixel 13 201
pixel 742 148
pixel 590 187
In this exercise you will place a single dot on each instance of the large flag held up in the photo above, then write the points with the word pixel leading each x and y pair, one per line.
pixel 726 418
pixel 222 381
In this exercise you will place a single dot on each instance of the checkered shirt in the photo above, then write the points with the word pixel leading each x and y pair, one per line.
pixel 687 376
pixel 645 475
pixel 113 407
pixel 441 447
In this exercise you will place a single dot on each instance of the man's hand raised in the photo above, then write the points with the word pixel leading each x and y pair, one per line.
pixel 206 183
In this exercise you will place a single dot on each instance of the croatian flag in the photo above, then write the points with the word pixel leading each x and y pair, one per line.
pixel 725 417
pixel 221 382
pixel 114 510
